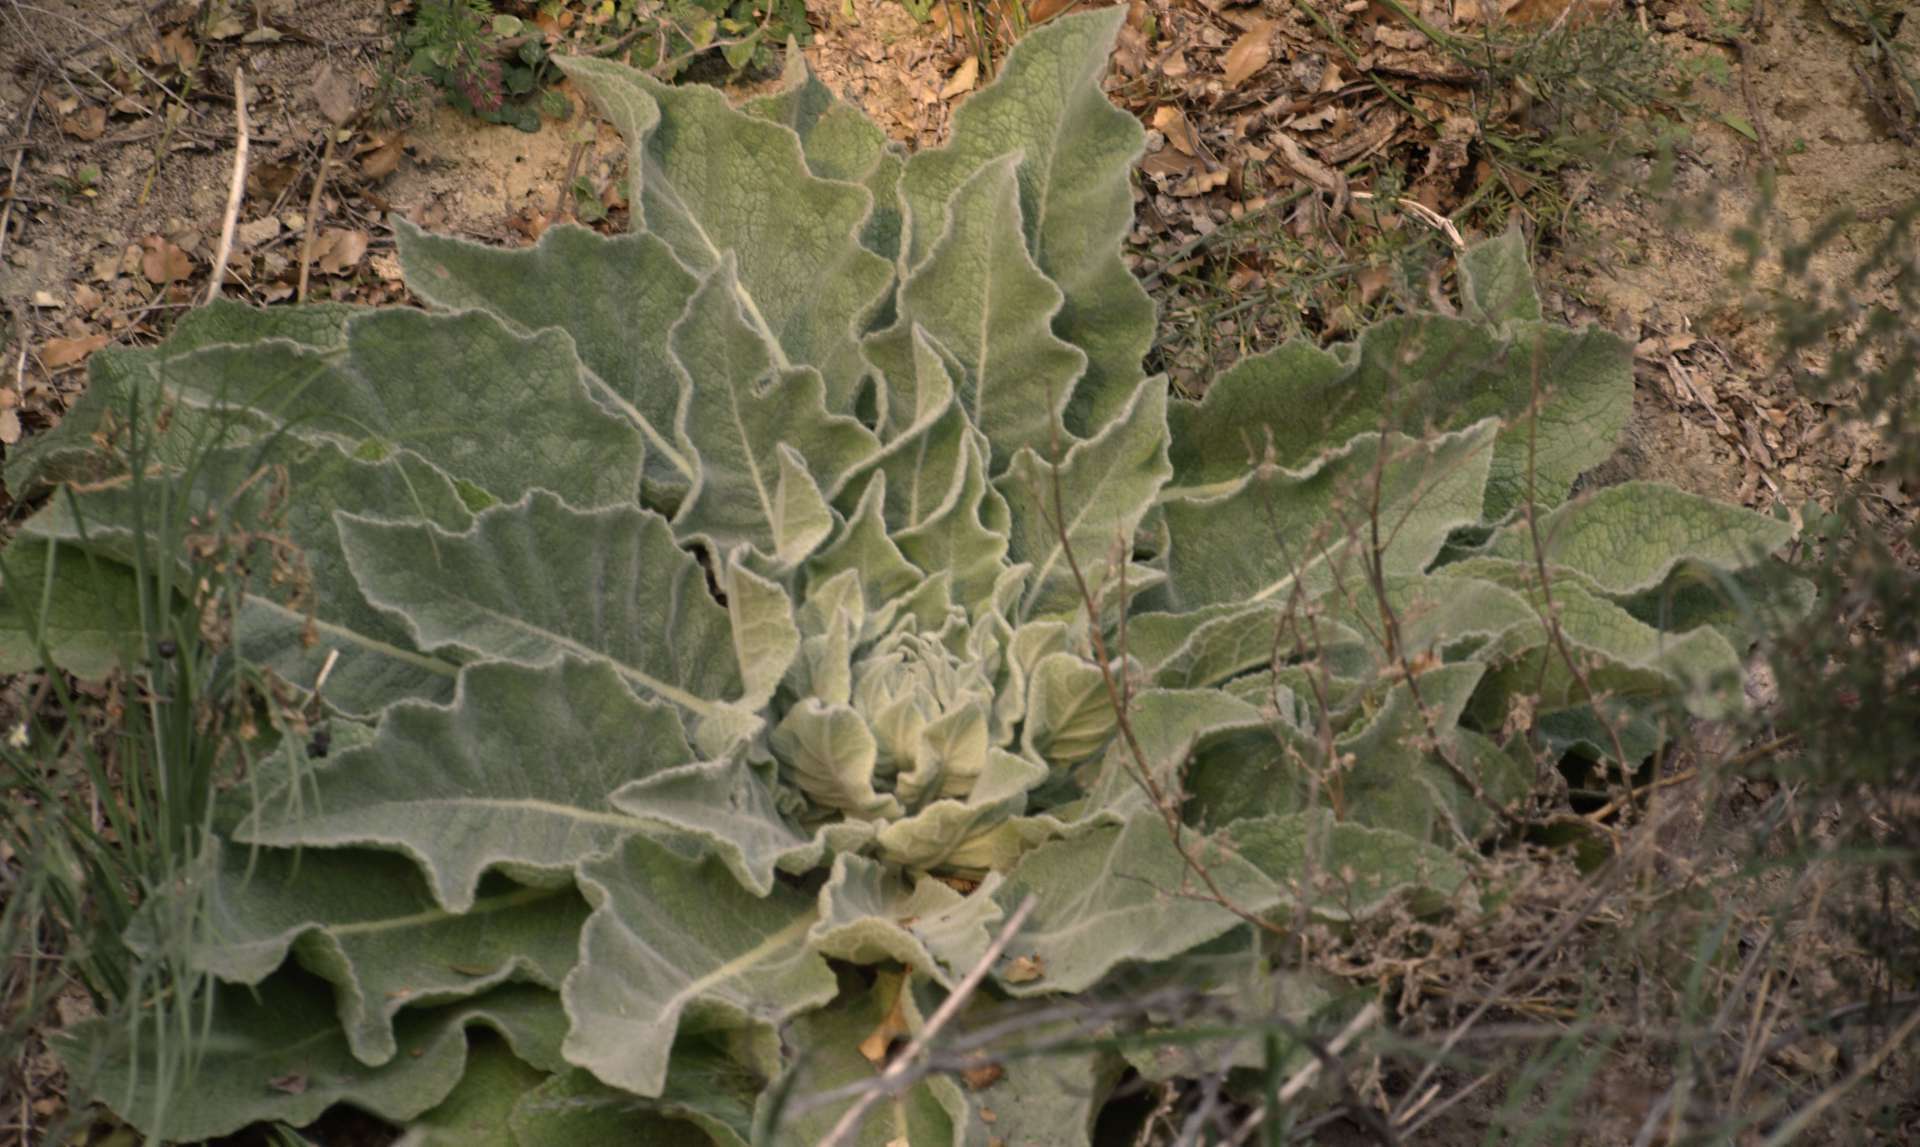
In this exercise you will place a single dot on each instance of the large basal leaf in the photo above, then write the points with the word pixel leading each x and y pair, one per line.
pixel 82 608
pixel 476 1112
pixel 841 143
pixel 1625 539
pixel 537 580
pixel 514 775
pixel 437 385
pixel 274 1053
pixel 1618 658
pixel 1276 530
pixel 368 924
pixel 617 298
pixel 871 913
pixel 709 1098
pixel 712 181
pixel 1037 1094
pixel 980 297
pixel 1088 500
pixel 71 450
pixel 1418 373
pixel 302 608
pixel 1342 870
pixel 828 1048
pixel 1116 894
pixel 1400 779
pixel 1075 147
pixel 734 806
pixel 676 945
pixel 767 444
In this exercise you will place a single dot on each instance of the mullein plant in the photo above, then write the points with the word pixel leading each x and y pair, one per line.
pixel 726 625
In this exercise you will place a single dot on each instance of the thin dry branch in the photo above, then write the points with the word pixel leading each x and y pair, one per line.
pixel 13 171
pixel 236 190
pixel 313 214
pixel 1366 1018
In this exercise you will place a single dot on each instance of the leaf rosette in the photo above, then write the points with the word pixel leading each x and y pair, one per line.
pixel 712 618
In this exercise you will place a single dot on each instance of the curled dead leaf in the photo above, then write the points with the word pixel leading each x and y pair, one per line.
pixel 334 95
pixel 1172 122
pixel 86 124
pixel 162 262
pixel 1249 53
pixel 381 157
pixel 56 353
pixel 254 232
pixel 339 249
pixel 964 78
pixel 177 49
pixel 1040 11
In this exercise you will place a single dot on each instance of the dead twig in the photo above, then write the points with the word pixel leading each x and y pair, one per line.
pixel 236 190
pixel 13 172
pixel 1303 1079
pixel 313 215
pixel 899 1069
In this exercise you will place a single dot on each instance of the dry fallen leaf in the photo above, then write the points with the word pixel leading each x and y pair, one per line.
pixel 175 48
pixel 1171 122
pixel 382 155
pixel 254 232
pixel 267 180
pixel 56 353
pixel 1249 53
pixel 334 95
pixel 1040 11
pixel 9 426
pixel 339 249
pixel 163 262
pixel 964 78
pixel 86 124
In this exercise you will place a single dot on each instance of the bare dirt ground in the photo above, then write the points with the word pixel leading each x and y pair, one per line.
pixel 118 149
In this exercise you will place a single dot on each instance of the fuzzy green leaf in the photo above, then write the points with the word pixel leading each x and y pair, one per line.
pixel 1088 502
pixel 742 408
pixel 537 580
pixel 712 182
pixel 616 298
pixel 368 924
pixel 841 143
pixel 1627 538
pixel 1116 894
pixel 675 944
pixel 275 1054
pixel 457 788
pixel 979 295
pixel 1075 147
pixel 1274 529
